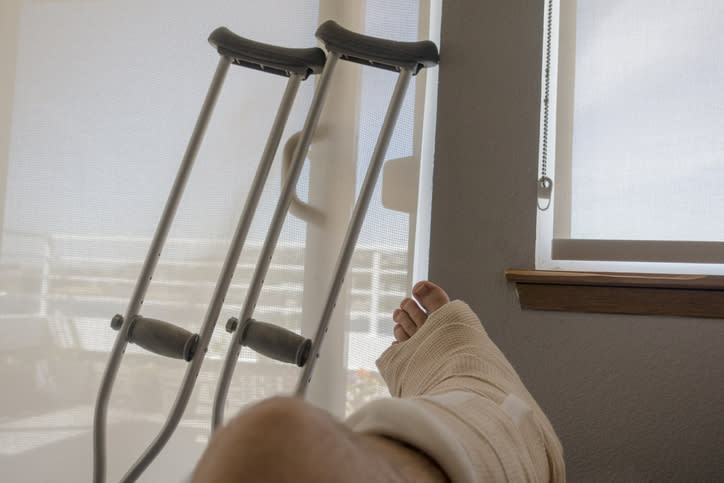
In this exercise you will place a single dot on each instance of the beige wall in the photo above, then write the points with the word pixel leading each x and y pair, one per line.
pixel 632 398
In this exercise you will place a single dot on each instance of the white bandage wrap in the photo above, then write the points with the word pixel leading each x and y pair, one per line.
pixel 407 420
pixel 460 401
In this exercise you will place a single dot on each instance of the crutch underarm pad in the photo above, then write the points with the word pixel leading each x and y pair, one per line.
pixel 163 338
pixel 265 57
pixel 276 342
pixel 386 54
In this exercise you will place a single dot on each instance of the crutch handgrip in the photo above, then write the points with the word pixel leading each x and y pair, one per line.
pixel 276 342
pixel 386 54
pixel 269 58
pixel 163 338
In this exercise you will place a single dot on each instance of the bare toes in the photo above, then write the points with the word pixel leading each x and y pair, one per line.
pixel 400 333
pixel 411 316
pixel 430 296
pixel 413 311
pixel 404 320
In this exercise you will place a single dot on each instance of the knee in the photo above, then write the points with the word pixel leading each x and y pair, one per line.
pixel 275 418
pixel 275 425
pixel 279 429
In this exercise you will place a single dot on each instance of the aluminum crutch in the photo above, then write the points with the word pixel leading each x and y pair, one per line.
pixel 165 338
pixel 407 58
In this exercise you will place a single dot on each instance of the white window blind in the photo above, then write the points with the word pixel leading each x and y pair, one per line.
pixel 639 154
pixel 98 100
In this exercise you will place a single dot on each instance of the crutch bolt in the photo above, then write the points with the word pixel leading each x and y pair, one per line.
pixel 116 322
pixel 232 324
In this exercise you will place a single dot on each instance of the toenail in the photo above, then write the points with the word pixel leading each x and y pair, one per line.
pixel 420 289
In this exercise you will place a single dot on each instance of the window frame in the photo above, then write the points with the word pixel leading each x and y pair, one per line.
pixel 603 276
pixel 620 293
pixel 565 252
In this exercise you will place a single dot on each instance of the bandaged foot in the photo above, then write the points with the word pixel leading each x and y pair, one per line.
pixel 458 399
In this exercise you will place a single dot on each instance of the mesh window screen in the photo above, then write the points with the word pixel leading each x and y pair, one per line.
pixel 648 107
pixel 380 265
pixel 104 96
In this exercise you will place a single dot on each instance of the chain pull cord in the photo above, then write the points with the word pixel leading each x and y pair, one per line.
pixel 545 184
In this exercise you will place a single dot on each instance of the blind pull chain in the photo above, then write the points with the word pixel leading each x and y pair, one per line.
pixel 545 184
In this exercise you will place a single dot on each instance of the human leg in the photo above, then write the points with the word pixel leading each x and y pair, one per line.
pixel 287 440
pixel 461 413
pixel 458 398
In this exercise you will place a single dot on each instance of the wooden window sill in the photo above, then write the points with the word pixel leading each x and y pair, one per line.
pixel 620 293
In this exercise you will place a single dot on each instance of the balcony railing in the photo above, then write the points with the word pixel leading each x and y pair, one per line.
pixel 58 293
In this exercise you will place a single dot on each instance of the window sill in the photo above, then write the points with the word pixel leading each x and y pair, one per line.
pixel 620 293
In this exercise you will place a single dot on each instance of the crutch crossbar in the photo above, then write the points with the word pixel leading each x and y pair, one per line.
pixel 382 53
pixel 273 341
pixel 159 337
pixel 269 58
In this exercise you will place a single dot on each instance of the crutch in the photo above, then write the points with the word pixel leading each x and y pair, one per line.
pixel 407 58
pixel 165 338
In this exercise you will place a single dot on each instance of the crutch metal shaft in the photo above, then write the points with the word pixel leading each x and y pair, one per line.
pixel 355 225
pixel 223 283
pixel 154 252
pixel 407 58
pixel 165 338
pixel 270 242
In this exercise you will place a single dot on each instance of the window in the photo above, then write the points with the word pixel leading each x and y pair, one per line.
pixel 633 137
pixel 98 101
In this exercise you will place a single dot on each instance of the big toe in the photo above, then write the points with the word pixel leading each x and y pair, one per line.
pixel 430 296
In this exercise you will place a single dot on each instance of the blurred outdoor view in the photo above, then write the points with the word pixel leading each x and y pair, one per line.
pixel 101 102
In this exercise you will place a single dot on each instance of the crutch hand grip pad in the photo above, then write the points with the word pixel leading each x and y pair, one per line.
pixel 276 342
pixel 265 57
pixel 386 54
pixel 163 338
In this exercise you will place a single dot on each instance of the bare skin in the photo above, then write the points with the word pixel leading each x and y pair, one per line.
pixel 287 440
pixel 410 316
